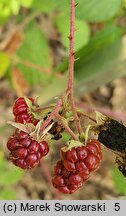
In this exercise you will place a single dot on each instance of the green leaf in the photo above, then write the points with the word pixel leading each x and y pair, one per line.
pixel 82 34
pixel 46 6
pixel 8 8
pixel 94 10
pixel 56 86
pixel 109 35
pixel 106 65
pixel 10 176
pixel 35 49
pixel 4 63
pixel 102 57
pixel 65 137
pixel 124 3
pixel 7 194
pixel 101 61
pixel 26 3
pixel 97 11
pixel 119 181
pixel 2 161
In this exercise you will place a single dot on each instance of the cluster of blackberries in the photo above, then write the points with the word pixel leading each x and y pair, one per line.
pixel 74 169
pixel 75 165
pixel 25 152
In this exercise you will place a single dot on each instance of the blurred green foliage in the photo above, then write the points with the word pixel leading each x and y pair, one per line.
pixel 119 181
pixel 99 43
pixel 10 175
pixel 4 63
pixel 93 51
pixel 12 7
pixel 38 53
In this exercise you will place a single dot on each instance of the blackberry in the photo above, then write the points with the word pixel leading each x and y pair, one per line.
pixel 25 152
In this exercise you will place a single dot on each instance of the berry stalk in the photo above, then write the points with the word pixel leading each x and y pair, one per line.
pixel 52 114
pixel 65 125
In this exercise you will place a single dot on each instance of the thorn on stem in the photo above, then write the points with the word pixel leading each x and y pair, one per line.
pixel 77 59
pixel 76 5
pixel 76 29
pixel 70 37
pixel 73 53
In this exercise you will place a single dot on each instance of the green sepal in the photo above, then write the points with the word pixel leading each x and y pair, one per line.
pixel 39 135
pixel 28 102
pixel 100 118
pixel 71 144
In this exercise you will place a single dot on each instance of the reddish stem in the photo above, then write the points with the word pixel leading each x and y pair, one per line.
pixel 68 129
pixel 52 114
pixel 71 66
pixel 71 51
pixel 69 91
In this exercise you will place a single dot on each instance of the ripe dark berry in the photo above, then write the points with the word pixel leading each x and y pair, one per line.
pixel 83 159
pixel 25 152
pixel 20 111
pixel 66 181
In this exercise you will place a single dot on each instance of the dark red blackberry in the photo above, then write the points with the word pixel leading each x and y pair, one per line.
pixel 83 159
pixel 24 151
pixel 65 181
pixel 20 111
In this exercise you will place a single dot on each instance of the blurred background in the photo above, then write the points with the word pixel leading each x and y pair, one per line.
pixel 34 50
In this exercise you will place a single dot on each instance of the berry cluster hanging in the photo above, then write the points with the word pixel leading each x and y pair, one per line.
pixel 81 154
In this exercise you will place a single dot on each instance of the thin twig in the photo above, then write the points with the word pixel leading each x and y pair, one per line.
pixel 86 115
pixel 68 129
pixel 39 109
pixel 52 114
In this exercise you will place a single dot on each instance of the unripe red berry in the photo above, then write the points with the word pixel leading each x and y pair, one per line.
pixel 65 181
pixel 22 118
pixel 12 143
pixel 82 159
pixel 92 162
pixel 43 148
pixel 21 111
pixel 26 152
